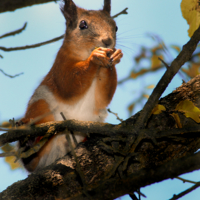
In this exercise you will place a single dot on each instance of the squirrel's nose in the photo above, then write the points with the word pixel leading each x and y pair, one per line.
pixel 107 41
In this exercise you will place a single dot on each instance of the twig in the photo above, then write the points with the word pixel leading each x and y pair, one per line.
pixel 32 46
pixel 120 13
pixel 20 153
pixel 133 197
pixel 12 122
pixel 10 76
pixel 121 120
pixel 79 171
pixel 14 32
pixel 185 180
pixel 186 191
pixel 140 193
pixel 166 65
pixel 7 154
pixel 73 136
pixel 123 80
pixel 139 73
pixel 4 129
pixel 183 57
pixel 37 119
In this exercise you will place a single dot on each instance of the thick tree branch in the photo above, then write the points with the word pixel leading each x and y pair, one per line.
pixel 102 129
pixel 61 181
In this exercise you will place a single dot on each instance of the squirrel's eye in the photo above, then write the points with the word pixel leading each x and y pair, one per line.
pixel 83 25
pixel 116 29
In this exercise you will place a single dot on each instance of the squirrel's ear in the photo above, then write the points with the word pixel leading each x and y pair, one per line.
pixel 69 10
pixel 107 6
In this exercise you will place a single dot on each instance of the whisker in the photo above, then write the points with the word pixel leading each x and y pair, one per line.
pixel 130 50
pixel 129 43
pixel 127 31
pixel 131 37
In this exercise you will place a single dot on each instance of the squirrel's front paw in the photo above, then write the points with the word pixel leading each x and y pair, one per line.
pixel 116 56
pixel 101 57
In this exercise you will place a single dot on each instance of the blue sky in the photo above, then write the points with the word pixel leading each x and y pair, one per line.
pixel 45 22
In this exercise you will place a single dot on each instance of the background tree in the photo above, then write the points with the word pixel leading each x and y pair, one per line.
pixel 148 51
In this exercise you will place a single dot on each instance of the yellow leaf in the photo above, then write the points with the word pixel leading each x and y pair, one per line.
pixel 146 96
pixel 189 110
pixel 177 48
pixel 11 161
pixel 155 49
pixel 177 119
pixel 131 107
pixel 158 109
pixel 136 74
pixel 155 62
pixel 193 70
pixel 6 124
pixel 141 56
pixel 191 12
pixel 7 148
pixel 150 86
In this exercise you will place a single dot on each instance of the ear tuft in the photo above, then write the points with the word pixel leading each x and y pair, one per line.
pixel 69 10
pixel 107 6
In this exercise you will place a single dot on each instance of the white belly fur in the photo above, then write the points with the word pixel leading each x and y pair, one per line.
pixel 82 110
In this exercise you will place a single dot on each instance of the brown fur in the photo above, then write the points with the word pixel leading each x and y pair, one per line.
pixel 37 109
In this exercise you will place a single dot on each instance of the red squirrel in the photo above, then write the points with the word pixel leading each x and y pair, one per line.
pixel 81 82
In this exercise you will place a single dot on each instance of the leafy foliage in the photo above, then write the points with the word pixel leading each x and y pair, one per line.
pixel 11 160
pixel 153 56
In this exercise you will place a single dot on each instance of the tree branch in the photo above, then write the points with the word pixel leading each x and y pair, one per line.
pixel 121 13
pixel 10 76
pixel 186 191
pixel 14 32
pixel 10 5
pixel 32 46
pixel 139 73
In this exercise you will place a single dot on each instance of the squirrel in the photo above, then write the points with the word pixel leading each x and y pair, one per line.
pixel 81 82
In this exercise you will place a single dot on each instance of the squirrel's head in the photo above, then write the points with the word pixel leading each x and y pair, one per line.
pixel 87 29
